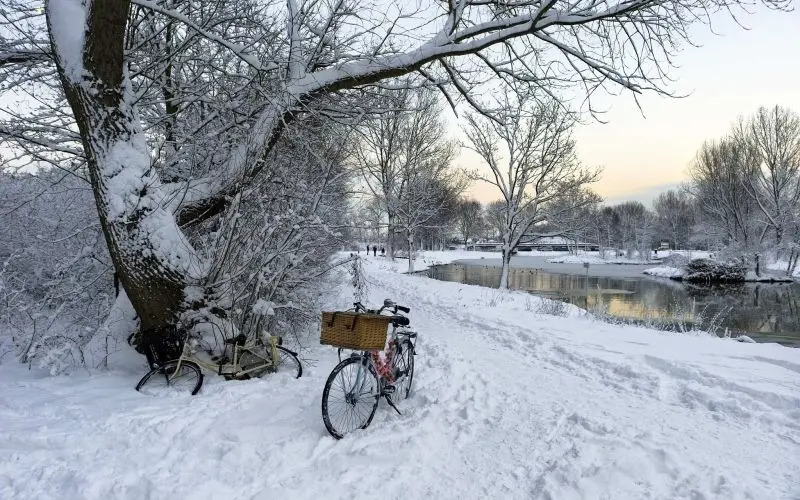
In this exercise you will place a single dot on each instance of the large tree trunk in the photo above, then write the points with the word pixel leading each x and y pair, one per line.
pixel 152 258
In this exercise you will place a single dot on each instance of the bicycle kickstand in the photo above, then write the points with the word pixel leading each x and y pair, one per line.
pixel 391 403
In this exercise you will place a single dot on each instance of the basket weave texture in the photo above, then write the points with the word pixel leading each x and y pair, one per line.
pixel 357 331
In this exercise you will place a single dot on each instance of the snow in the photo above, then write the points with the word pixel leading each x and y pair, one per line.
pixel 591 259
pixel 665 272
pixel 133 190
pixel 425 259
pixel 68 28
pixel 508 403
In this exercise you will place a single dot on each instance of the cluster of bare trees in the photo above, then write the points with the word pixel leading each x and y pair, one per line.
pixel 747 186
pixel 201 125
pixel 405 159
pixel 633 228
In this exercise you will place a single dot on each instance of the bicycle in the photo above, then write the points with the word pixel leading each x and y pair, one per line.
pixel 370 378
pixel 249 357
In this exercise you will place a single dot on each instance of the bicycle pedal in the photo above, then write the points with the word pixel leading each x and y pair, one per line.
pixel 388 389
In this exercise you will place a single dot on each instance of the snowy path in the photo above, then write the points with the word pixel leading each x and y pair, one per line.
pixel 508 404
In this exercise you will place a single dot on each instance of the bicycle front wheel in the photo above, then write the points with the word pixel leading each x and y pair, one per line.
pixel 172 378
pixel 351 396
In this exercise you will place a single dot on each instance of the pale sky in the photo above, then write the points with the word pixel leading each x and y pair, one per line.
pixel 732 73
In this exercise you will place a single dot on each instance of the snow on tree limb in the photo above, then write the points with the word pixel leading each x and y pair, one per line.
pixel 68 27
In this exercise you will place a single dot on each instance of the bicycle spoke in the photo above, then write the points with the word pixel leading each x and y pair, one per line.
pixel 350 398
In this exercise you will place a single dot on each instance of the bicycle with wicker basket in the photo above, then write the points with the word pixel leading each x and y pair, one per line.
pixel 177 360
pixel 356 385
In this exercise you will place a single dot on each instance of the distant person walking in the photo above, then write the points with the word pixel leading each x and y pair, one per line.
pixel 374 250
pixel 383 252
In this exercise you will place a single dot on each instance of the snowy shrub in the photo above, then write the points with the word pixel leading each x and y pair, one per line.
pixel 270 253
pixel 709 271
pixel 552 307
pixel 55 277
pixel 357 278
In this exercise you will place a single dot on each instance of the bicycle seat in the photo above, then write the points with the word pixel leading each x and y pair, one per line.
pixel 237 340
pixel 399 320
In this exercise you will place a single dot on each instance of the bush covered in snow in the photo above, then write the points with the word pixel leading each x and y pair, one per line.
pixel 709 271
pixel 56 280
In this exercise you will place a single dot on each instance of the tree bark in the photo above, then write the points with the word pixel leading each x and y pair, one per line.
pixel 390 236
pixel 150 256
pixel 410 239
pixel 504 271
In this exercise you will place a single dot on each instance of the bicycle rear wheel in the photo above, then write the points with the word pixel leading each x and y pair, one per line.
pixel 171 378
pixel 259 361
pixel 350 397
pixel 403 370
pixel 289 363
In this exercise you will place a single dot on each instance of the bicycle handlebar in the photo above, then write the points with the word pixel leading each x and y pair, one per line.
pixel 359 307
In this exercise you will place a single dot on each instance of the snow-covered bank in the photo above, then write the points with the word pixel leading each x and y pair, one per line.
pixel 509 403
pixel 665 272
pixel 679 274
pixel 428 258
pixel 594 259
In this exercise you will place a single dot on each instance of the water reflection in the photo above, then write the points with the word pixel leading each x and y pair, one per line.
pixel 768 311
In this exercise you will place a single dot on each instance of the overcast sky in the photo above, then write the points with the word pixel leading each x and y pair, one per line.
pixel 732 73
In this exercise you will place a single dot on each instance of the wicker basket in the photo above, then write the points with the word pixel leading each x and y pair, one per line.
pixel 357 331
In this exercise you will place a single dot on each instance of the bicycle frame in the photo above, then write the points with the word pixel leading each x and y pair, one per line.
pixel 367 360
pixel 233 369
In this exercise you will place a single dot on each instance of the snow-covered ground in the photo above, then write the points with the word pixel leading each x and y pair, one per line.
pixel 423 260
pixel 665 272
pixel 593 258
pixel 508 403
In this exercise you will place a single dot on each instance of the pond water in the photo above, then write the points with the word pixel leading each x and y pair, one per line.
pixel 765 312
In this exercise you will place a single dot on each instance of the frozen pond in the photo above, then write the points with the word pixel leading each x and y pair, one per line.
pixel 766 312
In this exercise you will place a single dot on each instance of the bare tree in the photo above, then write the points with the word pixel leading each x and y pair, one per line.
pixel 773 136
pixel 636 228
pixel 430 189
pixel 404 157
pixel 718 186
pixel 606 228
pixel 279 61
pixel 531 157
pixel 747 186
pixel 674 217
pixel 494 215
pixel 570 215
pixel 469 219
